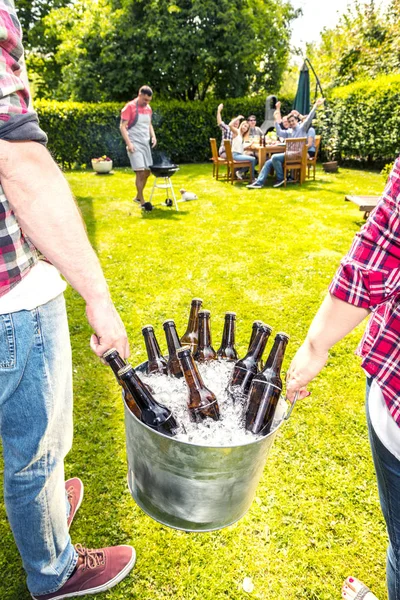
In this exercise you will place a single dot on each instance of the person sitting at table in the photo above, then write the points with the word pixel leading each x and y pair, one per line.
pixel 298 129
pixel 238 144
pixel 225 129
pixel 311 142
pixel 254 131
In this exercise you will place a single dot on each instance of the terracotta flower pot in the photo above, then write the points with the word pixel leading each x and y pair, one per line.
pixel 331 166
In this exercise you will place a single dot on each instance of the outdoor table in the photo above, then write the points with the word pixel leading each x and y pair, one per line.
pixel 365 203
pixel 264 152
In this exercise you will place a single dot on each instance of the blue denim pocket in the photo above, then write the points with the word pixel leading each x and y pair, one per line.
pixel 7 342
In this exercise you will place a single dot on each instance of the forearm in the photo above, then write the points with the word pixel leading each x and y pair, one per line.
pixel 124 132
pixel 152 133
pixel 42 201
pixel 333 321
pixel 219 118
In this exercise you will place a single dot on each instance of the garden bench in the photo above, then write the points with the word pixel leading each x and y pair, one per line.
pixel 365 203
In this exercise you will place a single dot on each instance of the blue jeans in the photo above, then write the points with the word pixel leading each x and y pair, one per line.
pixel 238 156
pixel 276 163
pixel 36 433
pixel 387 469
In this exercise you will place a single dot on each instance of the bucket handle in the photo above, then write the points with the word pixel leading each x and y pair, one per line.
pixel 289 412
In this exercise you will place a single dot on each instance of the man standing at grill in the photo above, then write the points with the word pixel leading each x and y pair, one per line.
pixel 38 213
pixel 137 130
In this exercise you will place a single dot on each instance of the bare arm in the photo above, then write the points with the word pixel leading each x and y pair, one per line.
pixel 310 141
pixel 333 321
pixel 123 127
pixel 153 136
pixel 219 117
pixel 277 113
pixel 46 211
pixel 234 129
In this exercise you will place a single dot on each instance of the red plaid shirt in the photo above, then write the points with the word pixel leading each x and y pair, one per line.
pixel 369 277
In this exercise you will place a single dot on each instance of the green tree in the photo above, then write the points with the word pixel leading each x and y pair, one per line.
pixel 185 49
pixel 364 44
pixel 31 14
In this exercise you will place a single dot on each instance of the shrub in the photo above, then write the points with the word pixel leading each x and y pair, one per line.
pixel 79 131
pixel 365 116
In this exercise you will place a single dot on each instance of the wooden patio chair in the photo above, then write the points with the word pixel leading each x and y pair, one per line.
pixel 216 159
pixel 235 164
pixel 295 158
pixel 312 162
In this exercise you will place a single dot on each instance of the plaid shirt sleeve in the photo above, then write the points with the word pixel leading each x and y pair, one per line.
pixel 369 275
pixel 18 121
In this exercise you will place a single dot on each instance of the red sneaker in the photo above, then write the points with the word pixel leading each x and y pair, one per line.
pixel 74 489
pixel 97 571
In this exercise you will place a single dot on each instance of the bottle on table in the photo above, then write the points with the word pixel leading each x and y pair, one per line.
pixel 266 389
pixel 246 368
pixel 191 336
pixel 156 363
pixel 205 352
pixel 173 343
pixel 202 402
pixel 227 350
pixel 152 413
pixel 114 360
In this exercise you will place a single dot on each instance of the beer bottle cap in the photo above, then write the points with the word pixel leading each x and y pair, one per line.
pixel 283 334
pixel 230 314
pixel 110 351
pixel 168 322
pixel 197 301
pixel 204 314
pixel 124 370
pixel 257 324
pixel 268 327
pixel 147 328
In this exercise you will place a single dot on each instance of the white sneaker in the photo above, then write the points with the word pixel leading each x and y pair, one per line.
pixel 239 176
pixel 254 186
pixel 279 183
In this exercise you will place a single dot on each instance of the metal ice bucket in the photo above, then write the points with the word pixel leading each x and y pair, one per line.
pixel 191 487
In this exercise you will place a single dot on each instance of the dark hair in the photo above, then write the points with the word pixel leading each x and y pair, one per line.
pixel 252 117
pixel 146 90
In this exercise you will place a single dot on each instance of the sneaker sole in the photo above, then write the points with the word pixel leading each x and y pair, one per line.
pixel 79 502
pixel 101 588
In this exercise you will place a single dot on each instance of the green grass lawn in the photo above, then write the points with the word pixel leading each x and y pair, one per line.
pixel 266 254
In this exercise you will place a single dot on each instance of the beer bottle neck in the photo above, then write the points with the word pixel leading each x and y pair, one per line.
pixel 228 336
pixel 193 323
pixel 258 345
pixel 172 338
pixel 275 358
pixel 116 363
pixel 204 333
pixel 152 347
pixel 191 373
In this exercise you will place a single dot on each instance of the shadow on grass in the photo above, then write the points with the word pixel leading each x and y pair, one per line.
pixel 167 214
pixel 85 204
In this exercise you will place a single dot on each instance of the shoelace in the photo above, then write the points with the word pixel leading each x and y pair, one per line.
pixel 70 493
pixel 91 558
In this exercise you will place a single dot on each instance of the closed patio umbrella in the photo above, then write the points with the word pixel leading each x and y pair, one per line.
pixel 302 100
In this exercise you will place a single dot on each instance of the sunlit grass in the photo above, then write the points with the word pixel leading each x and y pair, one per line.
pixel 266 254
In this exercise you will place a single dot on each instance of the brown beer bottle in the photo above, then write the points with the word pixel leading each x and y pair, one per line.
pixel 191 336
pixel 173 365
pixel 155 415
pixel 113 358
pixel 227 351
pixel 156 363
pixel 205 351
pixel 254 329
pixel 246 368
pixel 202 402
pixel 266 389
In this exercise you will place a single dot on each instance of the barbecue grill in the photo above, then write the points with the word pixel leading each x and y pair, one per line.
pixel 164 171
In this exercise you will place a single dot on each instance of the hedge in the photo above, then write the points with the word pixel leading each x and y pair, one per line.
pixel 363 120
pixel 80 131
